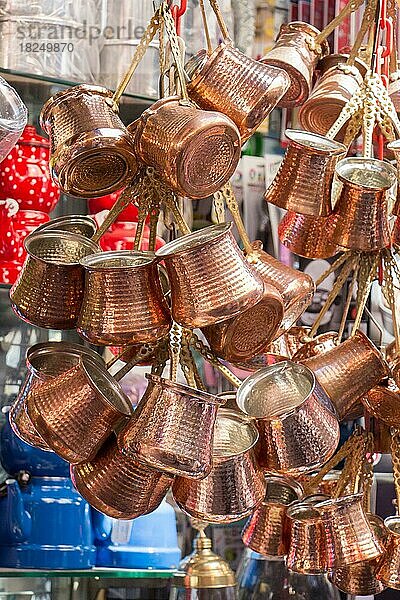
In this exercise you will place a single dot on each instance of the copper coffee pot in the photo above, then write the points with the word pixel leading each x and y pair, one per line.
pixel 307 549
pixel 315 346
pixel 283 398
pixel 294 54
pixel 388 569
pixel 92 152
pixel 235 485
pixel 304 179
pixel 308 236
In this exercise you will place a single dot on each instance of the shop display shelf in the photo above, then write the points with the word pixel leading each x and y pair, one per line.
pixel 95 573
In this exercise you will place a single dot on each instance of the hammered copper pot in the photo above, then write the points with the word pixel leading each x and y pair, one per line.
pixel 234 84
pixel 194 151
pixel 298 431
pixel 267 531
pixel 92 153
pixel 307 236
pixel 361 211
pixel 210 279
pixel 348 371
pixel 388 570
pixel 172 429
pixel 360 579
pixel 303 182
pixel 295 287
pixel 383 402
pixel 381 432
pixel 350 537
pixel 235 485
pixel 123 302
pixel 396 233
pixel 81 224
pixel 336 85
pixel 247 334
pixel 393 360
pixel 118 485
pixel 293 54
pixel 307 548
pixel 49 290
pixel 76 411
pixel 44 362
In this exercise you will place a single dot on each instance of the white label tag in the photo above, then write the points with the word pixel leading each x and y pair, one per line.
pixel 121 532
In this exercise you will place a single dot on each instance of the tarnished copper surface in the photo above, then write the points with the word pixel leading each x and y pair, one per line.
pixel 350 538
pixel 295 287
pixel 172 429
pixel 235 485
pixel 298 432
pixel 307 552
pixel 118 485
pixel 359 579
pixel 247 334
pixel 234 84
pixel 383 402
pixel 49 290
pixel 334 88
pixel 194 151
pixel 304 180
pixel 123 301
pixel 210 279
pixel 348 371
pixel 316 346
pixel 44 361
pixel 267 530
pixel 362 207
pixel 308 236
pixel 81 224
pixel 388 570
pixel 91 150
pixel 76 411
pixel 292 53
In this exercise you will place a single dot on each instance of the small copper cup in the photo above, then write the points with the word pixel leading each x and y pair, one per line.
pixel 286 398
pixel 118 485
pixel 383 402
pixel 235 485
pixel 266 531
pixel 195 151
pixel 360 579
pixel 246 335
pixel 295 287
pixel 293 53
pixel 362 207
pixel 210 279
pixel 303 182
pixel 319 345
pixel 44 362
pixel 336 85
pixel 80 224
pixel 308 236
pixel 92 152
pixel 234 84
pixel 123 302
pixel 350 538
pixel 49 290
pixel 348 371
pixel 307 549
pixel 172 429
pixel 388 569
pixel 77 411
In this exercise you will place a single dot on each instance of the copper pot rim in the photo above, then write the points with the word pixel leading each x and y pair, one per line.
pixel 135 259
pixel 69 219
pixel 300 137
pixel 284 481
pixel 307 28
pixel 56 236
pixel 271 369
pixel 193 241
pixel 53 101
pixel 185 390
pixel 106 387
pixel 344 168
pixel 218 519
pixel 392 524
pixel 38 350
pixel 377 524
pixel 342 501
pixel 241 420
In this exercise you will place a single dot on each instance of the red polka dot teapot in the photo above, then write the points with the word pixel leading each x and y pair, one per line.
pixel 25 175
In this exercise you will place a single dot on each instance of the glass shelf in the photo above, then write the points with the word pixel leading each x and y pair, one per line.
pixel 95 573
